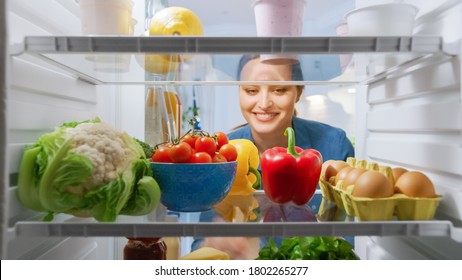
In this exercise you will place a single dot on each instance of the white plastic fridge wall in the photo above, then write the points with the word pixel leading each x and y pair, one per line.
pixel 415 121
pixel 3 170
pixel 40 98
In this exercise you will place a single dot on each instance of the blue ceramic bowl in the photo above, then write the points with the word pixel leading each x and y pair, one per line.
pixel 193 187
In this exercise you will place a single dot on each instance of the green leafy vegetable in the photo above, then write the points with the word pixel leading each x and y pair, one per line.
pixel 87 169
pixel 147 149
pixel 308 248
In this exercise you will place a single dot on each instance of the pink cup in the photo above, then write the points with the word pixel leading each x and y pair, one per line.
pixel 342 30
pixel 279 18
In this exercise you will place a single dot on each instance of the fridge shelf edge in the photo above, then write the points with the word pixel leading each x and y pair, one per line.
pixel 232 45
pixel 388 228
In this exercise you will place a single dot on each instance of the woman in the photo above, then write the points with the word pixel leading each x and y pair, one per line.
pixel 269 110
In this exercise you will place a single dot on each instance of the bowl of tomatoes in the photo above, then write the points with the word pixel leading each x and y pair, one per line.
pixel 192 173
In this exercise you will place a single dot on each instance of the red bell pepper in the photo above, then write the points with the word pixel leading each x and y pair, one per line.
pixel 290 174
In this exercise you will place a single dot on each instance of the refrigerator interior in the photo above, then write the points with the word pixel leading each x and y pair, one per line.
pixel 409 116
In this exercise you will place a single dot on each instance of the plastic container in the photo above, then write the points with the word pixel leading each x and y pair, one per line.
pixel 106 17
pixel 279 18
pixel 394 19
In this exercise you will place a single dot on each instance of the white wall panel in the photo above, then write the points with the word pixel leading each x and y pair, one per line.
pixel 73 248
pixel 442 116
pixel 79 249
pixel 436 78
pixel 443 157
pixel 439 18
pixel 42 116
pixel 56 18
pixel 42 80
pixel 422 248
pixel 41 97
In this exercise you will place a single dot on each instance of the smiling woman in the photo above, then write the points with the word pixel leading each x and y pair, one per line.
pixel 270 109
pixel 267 108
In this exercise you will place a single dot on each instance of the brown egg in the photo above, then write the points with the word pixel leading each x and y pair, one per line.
pixel 352 176
pixel 326 164
pixel 342 174
pixel 372 184
pixel 415 184
pixel 397 172
pixel 331 168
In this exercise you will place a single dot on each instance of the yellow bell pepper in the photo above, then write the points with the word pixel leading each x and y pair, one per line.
pixel 247 176
pixel 237 208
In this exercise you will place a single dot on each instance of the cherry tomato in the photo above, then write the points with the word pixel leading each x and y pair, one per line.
pixel 190 139
pixel 218 158
pixel 222 139
pixel 180 153
pixel 201 157
pixel 206 144
pixel 229 152
pixel 161 154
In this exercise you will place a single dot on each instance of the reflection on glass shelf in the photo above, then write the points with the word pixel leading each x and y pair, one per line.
pixel 107 63
pixel 269 220
pixel 328 211
pixel 317 210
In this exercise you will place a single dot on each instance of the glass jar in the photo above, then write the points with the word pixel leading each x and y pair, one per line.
pixel 154 117
pixel 145 249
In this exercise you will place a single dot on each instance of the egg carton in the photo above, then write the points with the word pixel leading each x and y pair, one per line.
pixel 398 206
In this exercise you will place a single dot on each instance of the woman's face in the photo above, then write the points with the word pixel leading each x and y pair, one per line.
pixel 267 108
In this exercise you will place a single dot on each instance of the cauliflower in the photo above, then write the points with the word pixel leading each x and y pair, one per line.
pixel 110 151
pixel 87 169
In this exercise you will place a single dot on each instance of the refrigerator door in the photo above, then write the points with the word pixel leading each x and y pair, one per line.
pixel 414 120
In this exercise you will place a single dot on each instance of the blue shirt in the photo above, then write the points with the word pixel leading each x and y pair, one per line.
pixel 330 141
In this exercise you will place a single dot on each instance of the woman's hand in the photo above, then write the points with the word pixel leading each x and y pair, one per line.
pixel 238 248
